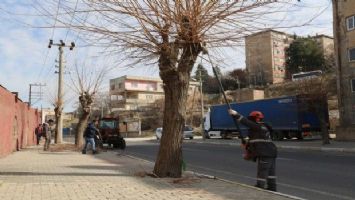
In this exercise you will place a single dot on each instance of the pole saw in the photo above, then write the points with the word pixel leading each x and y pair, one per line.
pixel 223 93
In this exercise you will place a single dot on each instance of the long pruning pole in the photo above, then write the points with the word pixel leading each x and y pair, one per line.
pixel 222 91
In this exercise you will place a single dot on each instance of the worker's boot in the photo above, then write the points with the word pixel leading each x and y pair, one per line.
pixel 271 184
pixel 83 151
pixel 94 152
pixel 260 184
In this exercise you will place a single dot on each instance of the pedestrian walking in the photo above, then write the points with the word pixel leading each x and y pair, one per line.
pixel 38 133
pixel 260 148
pixel 48 130
pixel 89 135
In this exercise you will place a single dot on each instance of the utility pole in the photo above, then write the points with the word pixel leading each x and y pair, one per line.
pixel 337 41
pixel 59 107
pixel 202 111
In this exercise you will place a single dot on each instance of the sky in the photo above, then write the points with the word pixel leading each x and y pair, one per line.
pixel 25 58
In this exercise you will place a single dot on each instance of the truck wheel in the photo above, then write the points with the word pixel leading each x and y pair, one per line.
pixel 279 135
pixel 206 135
pixel 191 138
pixel 300 136
pixel 122 144
pixel 287 135
pixel 224 135
pixel 273 136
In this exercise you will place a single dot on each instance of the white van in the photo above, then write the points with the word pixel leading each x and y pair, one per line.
pixel 188 132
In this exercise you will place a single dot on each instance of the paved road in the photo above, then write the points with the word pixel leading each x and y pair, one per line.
pixel 310 175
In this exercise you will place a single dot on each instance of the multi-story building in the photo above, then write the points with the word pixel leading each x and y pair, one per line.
pixel 134 92
pixel 326 44
pixel 266 55
pixel 344 33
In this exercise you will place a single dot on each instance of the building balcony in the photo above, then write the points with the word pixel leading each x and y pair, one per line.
pixel 124 102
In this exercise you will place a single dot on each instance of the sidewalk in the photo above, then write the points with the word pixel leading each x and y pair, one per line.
pixel 306 144
pixel 32 174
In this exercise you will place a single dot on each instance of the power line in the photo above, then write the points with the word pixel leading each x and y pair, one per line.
pixel 76 5
pixel 35 95
pixel 52 35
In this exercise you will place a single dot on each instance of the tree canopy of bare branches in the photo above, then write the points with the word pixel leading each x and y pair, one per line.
pixel 169 34
pixel 86 84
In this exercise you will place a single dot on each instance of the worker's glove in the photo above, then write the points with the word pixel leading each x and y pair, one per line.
pixel 232 112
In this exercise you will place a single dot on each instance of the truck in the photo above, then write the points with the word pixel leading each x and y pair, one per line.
pixel 289 116
pixel 110 132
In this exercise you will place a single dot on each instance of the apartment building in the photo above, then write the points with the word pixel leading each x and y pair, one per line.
pixel 326 43
pixel 266 55
pixel 135 92
pixel 344 33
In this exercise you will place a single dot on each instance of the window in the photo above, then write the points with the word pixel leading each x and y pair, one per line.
pixel 120 85
pixel 149 96
pixel 353 85
pixel 352 54
pixel 350 21
pixel 112 87
pixel 108 124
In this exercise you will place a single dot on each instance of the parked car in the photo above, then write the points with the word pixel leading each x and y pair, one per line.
pixel 188 132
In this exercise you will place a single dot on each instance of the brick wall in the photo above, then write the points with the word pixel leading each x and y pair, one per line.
pixel 17 123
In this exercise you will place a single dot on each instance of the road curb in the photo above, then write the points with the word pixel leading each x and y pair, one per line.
pixel 223 180
pixel 323 149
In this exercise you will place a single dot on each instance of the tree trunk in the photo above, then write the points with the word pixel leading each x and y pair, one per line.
pixel 80 128
pixel 323 122
pixel 85 100
pixel 176 84
pixel 57 114
pixel 169 160
pixel 56 130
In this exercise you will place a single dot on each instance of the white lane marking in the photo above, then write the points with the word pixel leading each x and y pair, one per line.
pixel 287 159
pixel 317 191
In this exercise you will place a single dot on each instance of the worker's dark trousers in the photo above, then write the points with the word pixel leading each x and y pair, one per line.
pixel 266 173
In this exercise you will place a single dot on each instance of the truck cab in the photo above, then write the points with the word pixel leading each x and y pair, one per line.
pixel 110 132
pixel 223 133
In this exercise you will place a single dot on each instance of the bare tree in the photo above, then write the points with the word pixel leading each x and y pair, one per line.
pixel 101 105
pixel 171 34
pixel 53 100
pixel 317 92
pixel 86 84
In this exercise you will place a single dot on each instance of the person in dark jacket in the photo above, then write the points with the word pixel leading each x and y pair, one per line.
pixel 48 130
pixel 260 147
pixel 38 132
pixel 90 134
